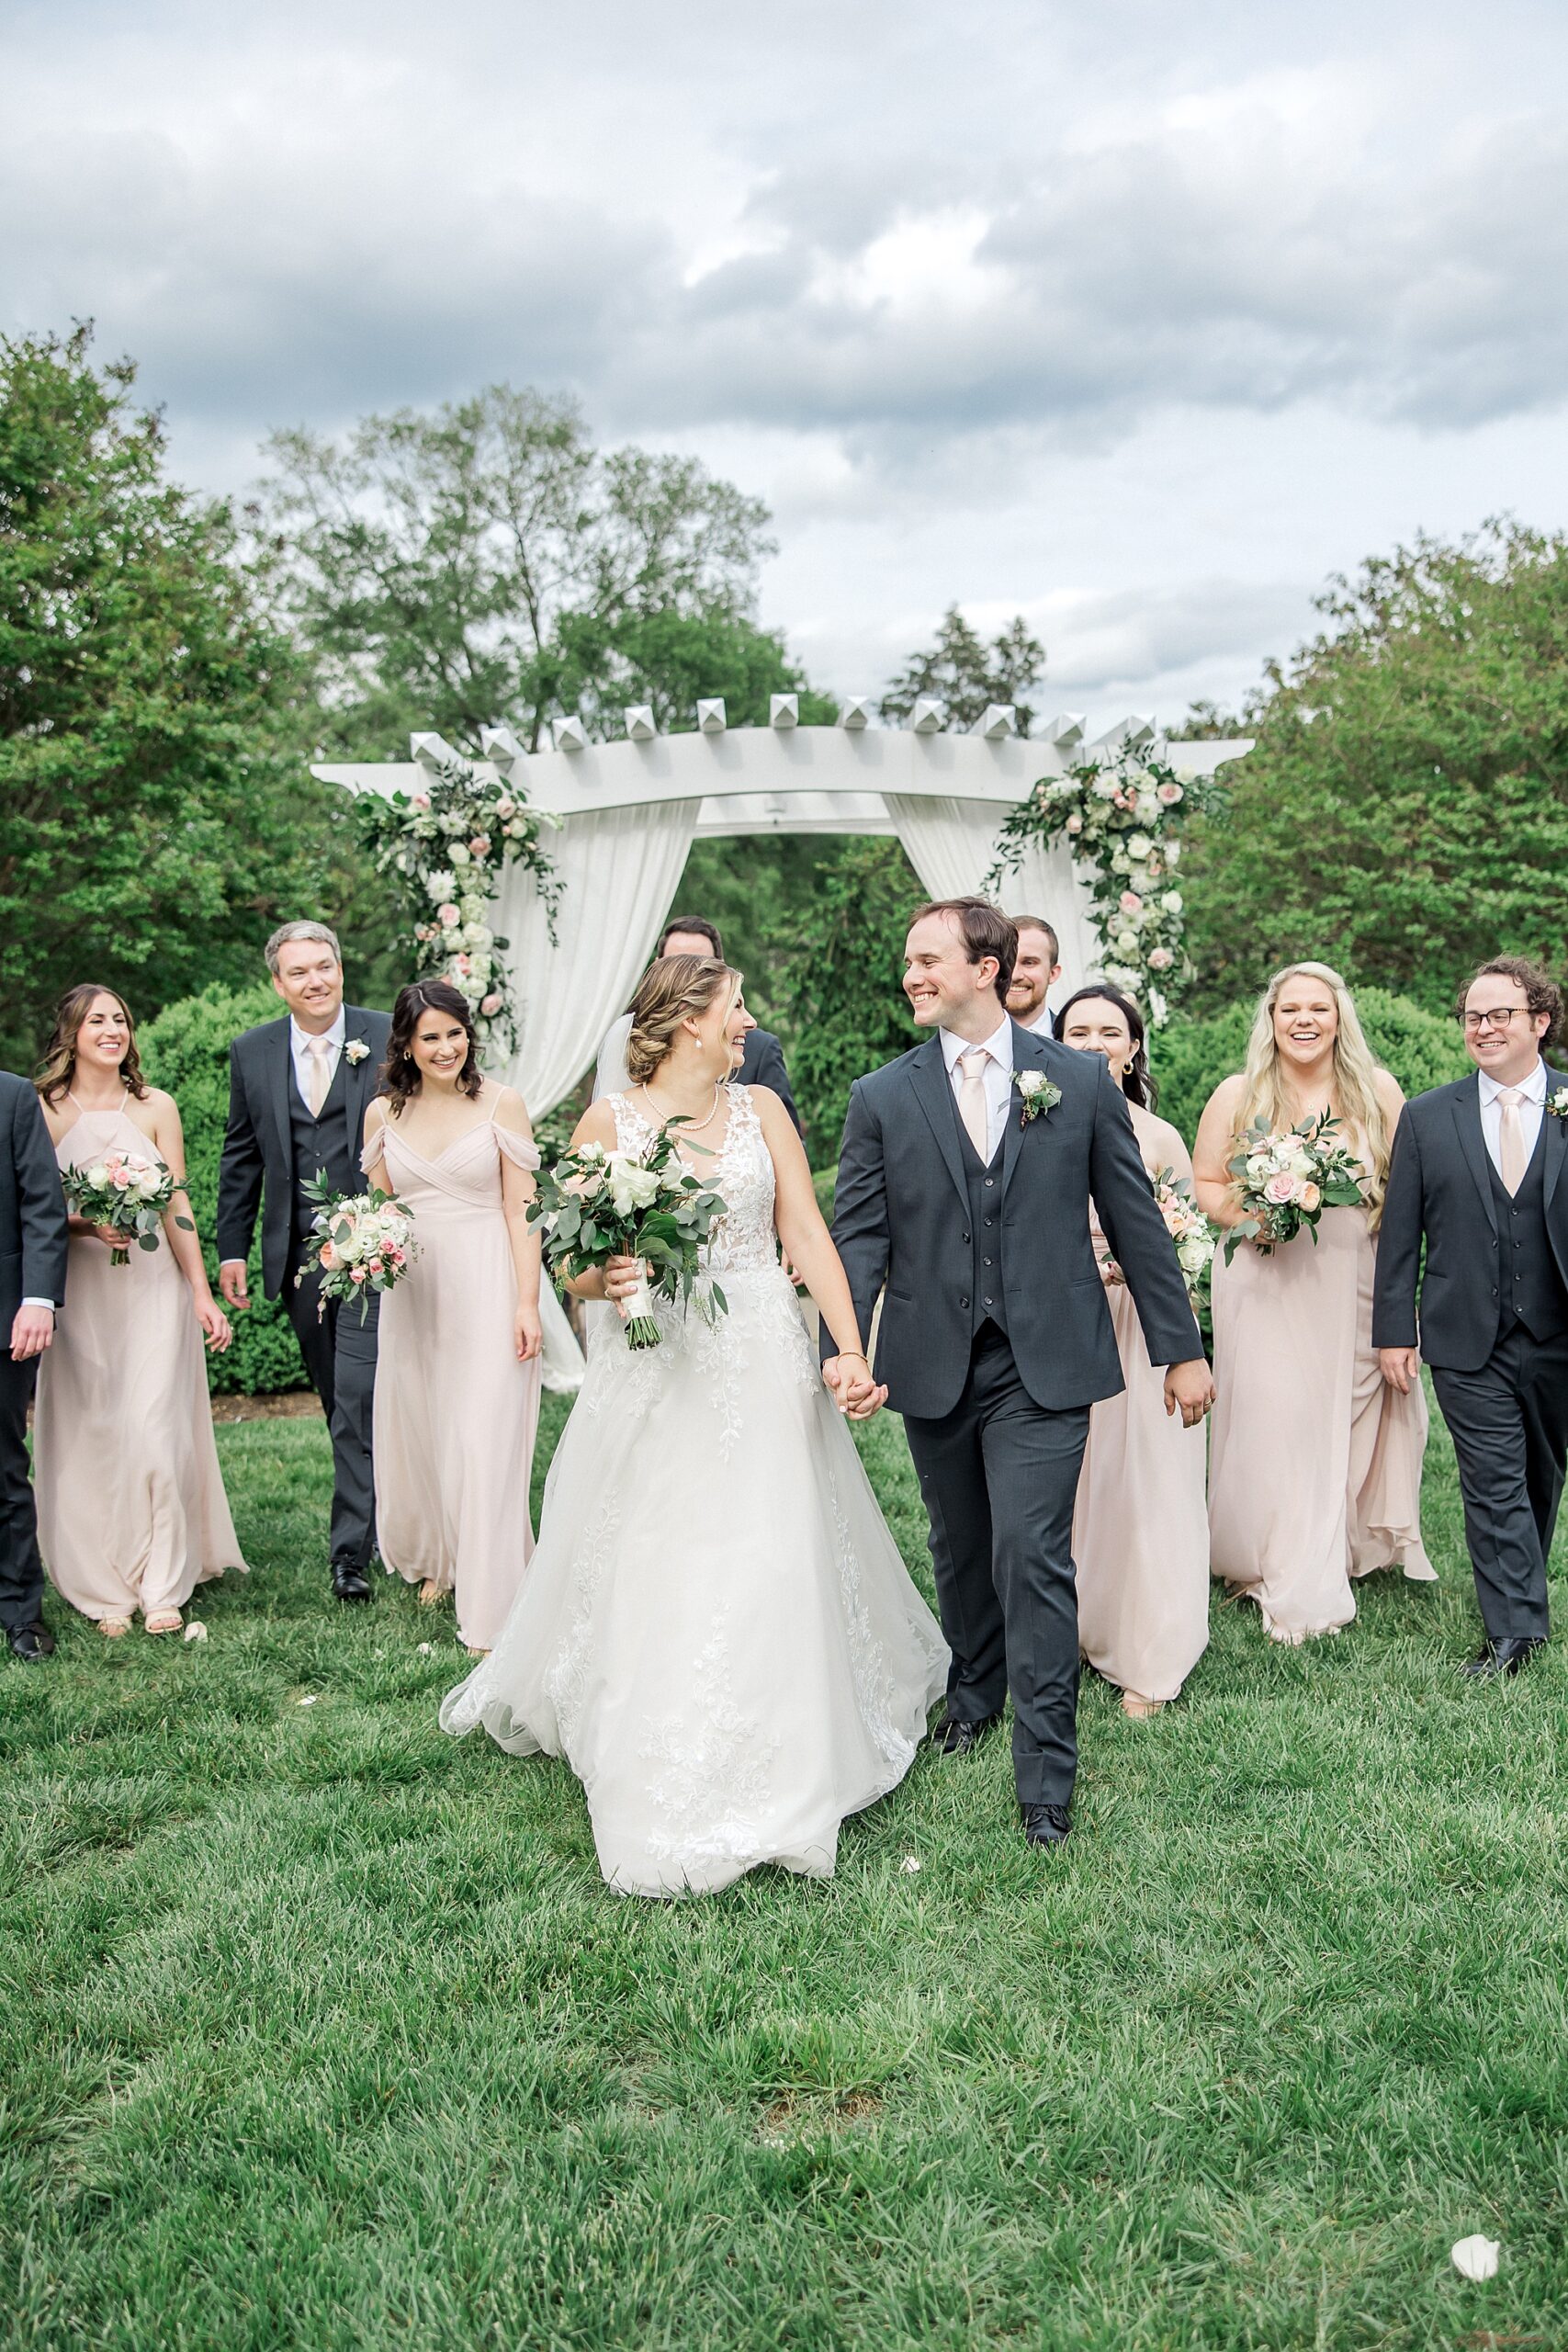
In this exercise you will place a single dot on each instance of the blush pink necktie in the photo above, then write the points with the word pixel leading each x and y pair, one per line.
pixel 320 1077
pixel 1511 1138
pixel 972 1100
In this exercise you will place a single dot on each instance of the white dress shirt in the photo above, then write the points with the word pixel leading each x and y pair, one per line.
pixel 1531 1110
pixel 997 1077
pixel 300 1046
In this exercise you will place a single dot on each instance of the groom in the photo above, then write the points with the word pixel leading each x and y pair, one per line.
pixel 298 1092
pixel 964 1184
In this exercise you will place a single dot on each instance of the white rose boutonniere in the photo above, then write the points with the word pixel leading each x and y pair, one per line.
pixel 356 1049
pixel 1038 1092
pixel 1558 1104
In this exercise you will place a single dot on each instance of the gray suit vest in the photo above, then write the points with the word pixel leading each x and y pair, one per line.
pixel 1529 1287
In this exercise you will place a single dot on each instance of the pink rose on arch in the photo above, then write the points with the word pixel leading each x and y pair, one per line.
pixel 479 845
pixel 418 800
pixel 1279 1190
pixel 1075 823
pixel 1311 1195
pixel 449 916
pixel 505 808
pixel 1131 903
pixel 490 1005
pixel 1160 959
pixel 462 966
pixel 1170 794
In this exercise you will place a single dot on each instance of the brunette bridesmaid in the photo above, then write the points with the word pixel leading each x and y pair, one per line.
pixel 1315 1473
pixel 1141 1528
pixel 132 1510
pixel 457 1371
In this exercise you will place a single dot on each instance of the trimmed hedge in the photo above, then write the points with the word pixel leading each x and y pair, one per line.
pixel 186 1050
pixel 1190 1057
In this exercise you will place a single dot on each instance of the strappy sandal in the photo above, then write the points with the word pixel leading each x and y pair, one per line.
pixel 430 1593
pixel 114 1629
pixel 165 1620
pixel 1137 1708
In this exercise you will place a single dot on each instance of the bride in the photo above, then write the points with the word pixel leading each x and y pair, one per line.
pixel 716 1630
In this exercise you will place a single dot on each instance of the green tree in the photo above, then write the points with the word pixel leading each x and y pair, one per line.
pixel 967 674
pixel 841 1007
pixel 156 816
pixel 1405 811
pixel 487 562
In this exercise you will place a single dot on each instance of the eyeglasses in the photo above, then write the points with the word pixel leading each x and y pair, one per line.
pixel 1496 1016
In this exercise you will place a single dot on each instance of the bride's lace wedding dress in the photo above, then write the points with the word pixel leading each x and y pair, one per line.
pixel 716 1630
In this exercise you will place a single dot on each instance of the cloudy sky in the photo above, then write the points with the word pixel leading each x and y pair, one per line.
pixel 1140 318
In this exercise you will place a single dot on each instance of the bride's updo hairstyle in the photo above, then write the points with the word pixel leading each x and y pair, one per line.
pixel 676 988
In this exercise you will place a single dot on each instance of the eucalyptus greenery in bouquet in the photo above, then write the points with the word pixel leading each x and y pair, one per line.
pixel 594 1205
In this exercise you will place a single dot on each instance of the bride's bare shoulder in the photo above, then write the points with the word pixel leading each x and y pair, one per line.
pixel 597 1124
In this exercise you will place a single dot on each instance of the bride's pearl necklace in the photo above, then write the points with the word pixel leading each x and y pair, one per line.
pixel 691 1129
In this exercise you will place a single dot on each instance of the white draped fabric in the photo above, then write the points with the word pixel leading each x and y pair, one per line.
pixel 618 868
pixel 952 844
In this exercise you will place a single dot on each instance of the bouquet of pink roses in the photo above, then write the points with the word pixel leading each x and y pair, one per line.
pixel 124 1191
pixel 360 1243
pixel 1286 1181
pixel 1195 1237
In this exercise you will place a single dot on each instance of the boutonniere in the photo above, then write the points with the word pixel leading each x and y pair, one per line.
pixel 356 1049
pixel 1039 1095
pixel 1558 1104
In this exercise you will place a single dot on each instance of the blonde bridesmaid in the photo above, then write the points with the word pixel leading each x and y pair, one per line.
pixel 1315 1473
pixel 457 1369
pixel 132 1510
pixel 1141 1528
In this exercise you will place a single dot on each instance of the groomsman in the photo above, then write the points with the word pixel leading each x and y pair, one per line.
pixel 1035 974
pixel 1476 1173
pixel 34 1237
pixel 298 1092
pixel 765 1062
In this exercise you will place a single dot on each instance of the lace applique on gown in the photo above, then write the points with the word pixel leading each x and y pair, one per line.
pixel 716 1630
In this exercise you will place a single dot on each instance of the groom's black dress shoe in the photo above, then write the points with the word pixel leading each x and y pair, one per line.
pixel 954 1738
pixel 30 1643
pixel 350 1583
pixel 1045 1825
pixel 1503 1658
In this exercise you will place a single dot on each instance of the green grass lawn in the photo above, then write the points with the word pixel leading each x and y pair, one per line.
pixel 320 2029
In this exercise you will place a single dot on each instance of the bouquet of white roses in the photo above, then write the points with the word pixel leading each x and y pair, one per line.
pixel 1195 1238
pixel 360 1243
pixel 594 1205
pixel 126 1193
pixel 1286 1181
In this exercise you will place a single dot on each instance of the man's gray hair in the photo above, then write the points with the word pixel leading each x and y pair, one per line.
pixel 287 931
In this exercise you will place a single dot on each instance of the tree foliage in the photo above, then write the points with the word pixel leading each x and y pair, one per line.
pixel 1404 814
pixel 967 674
pixel 155 813
pixel 841 1007
pixel 487 562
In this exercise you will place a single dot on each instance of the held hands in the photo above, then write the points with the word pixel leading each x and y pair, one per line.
pixel 233 1281
pixel 857 1396
pixel 1190 1391
pixel 1401 1367
pixel 214 1323
pixel 527 1333
pixel 32 1331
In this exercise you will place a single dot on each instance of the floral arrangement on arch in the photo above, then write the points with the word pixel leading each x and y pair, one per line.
pixel 1123 823
pixel 443 847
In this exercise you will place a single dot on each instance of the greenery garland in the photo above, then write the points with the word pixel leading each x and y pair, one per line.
pixel 1123 823
pixel 443 848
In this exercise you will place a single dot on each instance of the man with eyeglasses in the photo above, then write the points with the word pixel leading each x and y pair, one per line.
pixel 1476 1173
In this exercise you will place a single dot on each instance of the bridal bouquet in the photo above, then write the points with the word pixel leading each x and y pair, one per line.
pixel 1195 1238
pixel 360 1243
pixel 1286 1181
pixel 126 1192
pixel 594 1205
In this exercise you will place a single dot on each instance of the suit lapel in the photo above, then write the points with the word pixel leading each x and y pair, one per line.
pixel 933 1091
pixel 1027 1054
pixel 1555 1140
pixel 1472 1143
pixel 279 1078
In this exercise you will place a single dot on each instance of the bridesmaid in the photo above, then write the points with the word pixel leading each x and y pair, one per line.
pixel 131 1509
pixel 1315 1473
pixel 1141 1528
pixel 457 1370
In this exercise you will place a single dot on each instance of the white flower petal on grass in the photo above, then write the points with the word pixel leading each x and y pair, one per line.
pixel 1477 2258
pixel 910 1863
pixel 196 1631
pixel 308 1700
pixel 427 1649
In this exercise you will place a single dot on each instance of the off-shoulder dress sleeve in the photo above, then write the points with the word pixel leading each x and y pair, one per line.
pixel 519 1150
pixel 374 1153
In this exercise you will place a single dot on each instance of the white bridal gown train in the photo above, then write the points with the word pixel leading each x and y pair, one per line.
pixel 716 1630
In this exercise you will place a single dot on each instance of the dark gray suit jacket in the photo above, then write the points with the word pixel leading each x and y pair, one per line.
pixel 764 1066
pixel 257 1167
pixel 1439 1186
pixel 901 1215
pixel 34 1235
